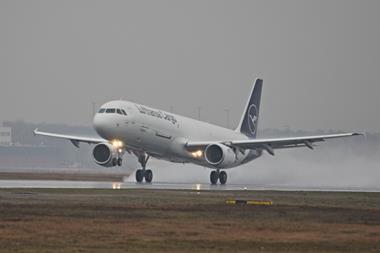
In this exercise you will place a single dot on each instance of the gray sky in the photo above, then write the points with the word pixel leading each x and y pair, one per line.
pixel 320 60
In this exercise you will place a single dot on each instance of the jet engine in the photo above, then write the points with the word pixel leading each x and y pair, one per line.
pixel 105 154
pixel 220 155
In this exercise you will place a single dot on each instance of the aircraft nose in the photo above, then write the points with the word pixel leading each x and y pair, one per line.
pixel 100 125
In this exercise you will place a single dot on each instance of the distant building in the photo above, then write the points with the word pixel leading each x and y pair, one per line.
pixel 5 136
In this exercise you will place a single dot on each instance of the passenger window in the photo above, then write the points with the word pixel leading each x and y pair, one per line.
pixel 119 111
pixel 123 112
pixel 110 110
pixel 101 110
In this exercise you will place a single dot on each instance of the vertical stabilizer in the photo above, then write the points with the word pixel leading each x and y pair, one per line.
pixel 250 118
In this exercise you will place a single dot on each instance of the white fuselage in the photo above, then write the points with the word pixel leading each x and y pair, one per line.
pixel 162 134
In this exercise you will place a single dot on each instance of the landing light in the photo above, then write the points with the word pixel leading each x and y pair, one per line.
pixel 197 154
pixel 117 144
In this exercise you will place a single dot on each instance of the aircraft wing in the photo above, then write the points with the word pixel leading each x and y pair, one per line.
pixel 74 139
pixel 270 144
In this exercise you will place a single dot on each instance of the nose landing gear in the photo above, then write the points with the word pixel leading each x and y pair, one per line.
pixel 223 177
pixel 216 175
pixel 117 161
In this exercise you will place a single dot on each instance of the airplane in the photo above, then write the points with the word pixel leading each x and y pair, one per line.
pixel 146 132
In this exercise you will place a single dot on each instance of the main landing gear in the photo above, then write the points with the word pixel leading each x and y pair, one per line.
pixel 216 174
pixel 143 173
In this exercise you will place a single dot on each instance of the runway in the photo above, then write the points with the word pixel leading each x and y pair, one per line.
pixel 65 184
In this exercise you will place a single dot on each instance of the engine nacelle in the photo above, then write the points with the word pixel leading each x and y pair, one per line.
pixel 220 155
pixel 104 154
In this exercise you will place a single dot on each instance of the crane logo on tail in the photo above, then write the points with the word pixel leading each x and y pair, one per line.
pixel 252 119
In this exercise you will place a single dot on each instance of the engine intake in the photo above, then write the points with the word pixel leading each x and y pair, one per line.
pixel 104 153
pixel 220 155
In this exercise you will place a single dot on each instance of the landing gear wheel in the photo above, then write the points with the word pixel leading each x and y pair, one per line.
pixel 143 173
pixel 214 175
pixel 119 161
pixel 222 177
pixel 139 175
pixel 114 161
pixel 148 176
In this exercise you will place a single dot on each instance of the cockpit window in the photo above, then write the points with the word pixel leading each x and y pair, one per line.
pixel 110 110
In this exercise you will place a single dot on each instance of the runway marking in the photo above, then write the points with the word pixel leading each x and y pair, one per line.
pixel 249 202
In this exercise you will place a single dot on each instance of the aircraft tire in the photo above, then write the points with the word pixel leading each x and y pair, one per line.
pixel 114 162
pixel 214 175
pixel 119 161
pixel 223 177
pixel 148 176
pixel 139 175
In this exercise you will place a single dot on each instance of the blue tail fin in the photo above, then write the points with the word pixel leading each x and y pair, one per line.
pixel 250 118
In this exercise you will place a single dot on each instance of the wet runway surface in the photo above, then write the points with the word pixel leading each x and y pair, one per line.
pixel 165 185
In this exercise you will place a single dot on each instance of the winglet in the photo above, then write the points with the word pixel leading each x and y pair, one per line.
pixel 35 131
pixel 364 134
